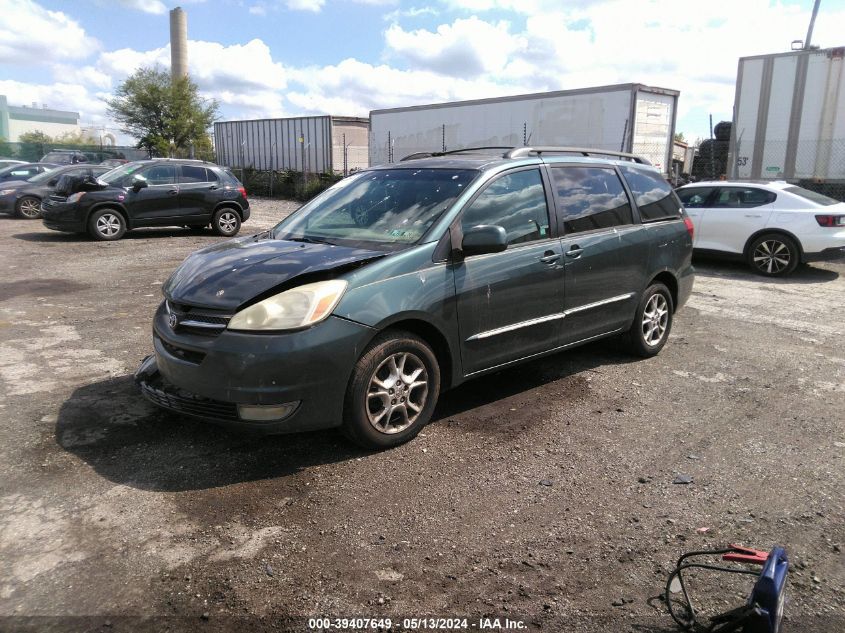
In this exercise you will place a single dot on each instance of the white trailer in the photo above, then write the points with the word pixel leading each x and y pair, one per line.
pixel 627 117
pixel 789 117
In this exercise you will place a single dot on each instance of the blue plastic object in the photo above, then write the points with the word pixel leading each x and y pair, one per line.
pixel 768 592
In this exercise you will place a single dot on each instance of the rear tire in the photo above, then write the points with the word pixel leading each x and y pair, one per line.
pixel 226 222
pixel 106 225
pixel 773 255
pixel 392 392
pixel 652 322
pixel 28 207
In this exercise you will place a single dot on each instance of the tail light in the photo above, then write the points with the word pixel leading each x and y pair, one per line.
pixel 690 227
pixel 242 189
pixel 831 221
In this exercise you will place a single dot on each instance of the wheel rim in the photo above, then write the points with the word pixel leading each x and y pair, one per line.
pixel 397 393
pixel 30 208
pixel 655 319
pixel 108 225
pixel 227 222
pixel 772 256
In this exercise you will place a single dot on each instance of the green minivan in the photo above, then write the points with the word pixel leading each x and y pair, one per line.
pixel 407 279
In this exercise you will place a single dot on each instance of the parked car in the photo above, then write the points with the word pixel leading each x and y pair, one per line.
pixel 23 198
pixel 6 162
pixel 65 157
pixel 24 171
pixel 160 192
pixel 772 226
pixel 114 162
pixel 407 279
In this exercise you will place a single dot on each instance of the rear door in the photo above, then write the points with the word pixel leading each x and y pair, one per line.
pixel 510 304
pixel 157 203
pixel 695 200
pixel 197 190
pixel 731 216
pixel 605 250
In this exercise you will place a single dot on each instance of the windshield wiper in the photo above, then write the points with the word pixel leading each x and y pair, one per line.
pixel 309 240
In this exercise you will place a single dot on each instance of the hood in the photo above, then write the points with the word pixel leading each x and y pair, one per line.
pixel 228 274
pixel 13 184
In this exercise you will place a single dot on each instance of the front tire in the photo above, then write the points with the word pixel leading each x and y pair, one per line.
pixel 28 207
pixel 106 225
pixel 773 255
pixel 393 391
pixel 652 322
pixel 226 222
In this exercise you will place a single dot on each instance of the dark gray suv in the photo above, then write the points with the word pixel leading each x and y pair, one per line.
pixel 158 192
pixel 407 279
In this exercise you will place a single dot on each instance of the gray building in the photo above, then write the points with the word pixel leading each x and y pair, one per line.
pixel 314 144
pixel 17 120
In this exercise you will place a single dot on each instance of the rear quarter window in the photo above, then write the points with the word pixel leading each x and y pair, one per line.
pixel 654 197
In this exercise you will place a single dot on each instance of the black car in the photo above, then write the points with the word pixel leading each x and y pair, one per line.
pixel 160 192
pixel 408 279
pixel 23 198
pixel 65 157
pixel 24 171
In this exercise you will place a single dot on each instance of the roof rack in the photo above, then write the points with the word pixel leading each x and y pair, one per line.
pixel 519 152
pixel 418 155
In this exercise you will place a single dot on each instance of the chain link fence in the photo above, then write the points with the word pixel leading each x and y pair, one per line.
pixel 33 152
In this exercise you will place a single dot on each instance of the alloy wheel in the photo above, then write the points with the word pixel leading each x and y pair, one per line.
pixel 30 208
pixel 772 256
pixel 108 225
pixel 227 222
pixel 655 319
pixel 397 393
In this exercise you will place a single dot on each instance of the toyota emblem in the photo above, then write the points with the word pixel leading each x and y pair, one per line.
pixel 174 321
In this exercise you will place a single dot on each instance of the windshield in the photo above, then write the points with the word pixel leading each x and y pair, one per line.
pixel 812 196
pixel 384 209
pixel 44 176
pixel 116 175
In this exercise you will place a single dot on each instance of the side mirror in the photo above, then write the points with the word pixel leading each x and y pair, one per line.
pixel 485 238
pixel 139 183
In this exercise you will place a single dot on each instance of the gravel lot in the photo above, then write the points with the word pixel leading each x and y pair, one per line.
pixel 543 494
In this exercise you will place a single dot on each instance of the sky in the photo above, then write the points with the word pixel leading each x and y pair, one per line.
pixel 277 58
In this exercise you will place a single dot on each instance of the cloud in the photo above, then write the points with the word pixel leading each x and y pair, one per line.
pixel 306 5
pixel 60 95
pixel 30 34
pixel 155 7
pixel 465 48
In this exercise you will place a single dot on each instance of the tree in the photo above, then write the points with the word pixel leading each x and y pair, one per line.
pixel 35 136
pixel 679 136
pixel 167 118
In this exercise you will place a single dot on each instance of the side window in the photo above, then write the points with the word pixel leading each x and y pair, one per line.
pixel 743 198
pixel 694 198
pixel 517 203
pixel 160 175
pixel 211 175
pixel 591 198
pixel 192 173
pixel 655 198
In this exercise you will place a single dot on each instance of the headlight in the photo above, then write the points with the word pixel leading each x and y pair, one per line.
pixel 75 197
pixel 6 192
pixel 295 308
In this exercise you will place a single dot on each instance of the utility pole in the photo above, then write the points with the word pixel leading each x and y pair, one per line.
pixel 812 24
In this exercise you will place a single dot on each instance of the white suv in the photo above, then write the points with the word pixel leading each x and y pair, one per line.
pixel 774 226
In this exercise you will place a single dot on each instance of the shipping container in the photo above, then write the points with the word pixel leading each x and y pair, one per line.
pixel 313 144
pixel 789 117
pixel 627 117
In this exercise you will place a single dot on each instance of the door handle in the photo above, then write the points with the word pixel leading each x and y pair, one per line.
pixel 575 252
pixel 213 187
pixel 753 215
pixel 172 192
pixel 549 257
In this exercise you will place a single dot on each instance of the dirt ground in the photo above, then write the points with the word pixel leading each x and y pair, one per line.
pixel 543 494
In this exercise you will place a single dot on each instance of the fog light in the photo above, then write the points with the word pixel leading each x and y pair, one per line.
pixel 266 412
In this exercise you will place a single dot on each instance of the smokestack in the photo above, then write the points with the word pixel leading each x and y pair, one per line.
pixel 178 44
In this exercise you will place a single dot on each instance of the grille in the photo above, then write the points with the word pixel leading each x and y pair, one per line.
pixel 198 320
pixel 169 397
